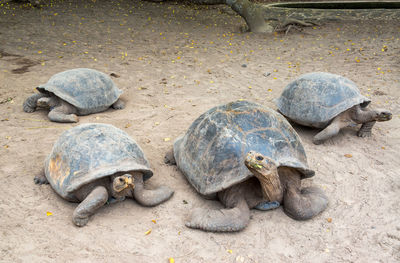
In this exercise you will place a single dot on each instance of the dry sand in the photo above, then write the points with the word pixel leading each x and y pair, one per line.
pixel 175 62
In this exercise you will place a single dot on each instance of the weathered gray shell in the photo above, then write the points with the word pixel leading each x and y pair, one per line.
pixel 89 90
pixel 314 99
pixel 211 154
pixel 89 152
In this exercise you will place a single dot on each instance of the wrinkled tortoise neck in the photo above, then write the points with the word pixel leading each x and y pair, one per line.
pixel 270 183
pixel 362 115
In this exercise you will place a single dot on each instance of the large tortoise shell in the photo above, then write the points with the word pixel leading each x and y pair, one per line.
pixel 211 154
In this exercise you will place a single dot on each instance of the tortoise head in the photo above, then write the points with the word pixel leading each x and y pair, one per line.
pixel 122 182
pixel 382 115
pixel 258 162
pixel 266 171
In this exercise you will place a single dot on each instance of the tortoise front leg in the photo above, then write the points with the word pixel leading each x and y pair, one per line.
pixel 301 204
pixel 305 203
pixel 30 103
pixel 149 197
pixel 366 129
pixel 96 199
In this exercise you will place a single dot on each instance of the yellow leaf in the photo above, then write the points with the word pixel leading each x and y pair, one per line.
pixel 329 219
pixel 269 90
pixel 147 232
pixel 128 125
pixel 383 147
pixel 154 221
pixel 167 139
pixel 348 155
pixel 171 260
pixel 229 251
pixel 49 213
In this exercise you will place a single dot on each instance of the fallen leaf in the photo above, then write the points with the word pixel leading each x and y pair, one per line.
pixel 229 251
pixel 128 125
pixel 329 219
pixel 154 221
pixel 348 155
pixel 49 213
pixel 171 260
pixel 167 139
pixel 147 232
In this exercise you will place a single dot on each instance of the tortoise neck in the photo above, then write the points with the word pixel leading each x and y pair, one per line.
pixel 362 115
pixel 270 184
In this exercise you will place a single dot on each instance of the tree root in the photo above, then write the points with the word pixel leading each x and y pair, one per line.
pixel 295 24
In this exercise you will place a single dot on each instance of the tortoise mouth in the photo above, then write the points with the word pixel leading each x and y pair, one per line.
pixel 119 189
pixel 384 116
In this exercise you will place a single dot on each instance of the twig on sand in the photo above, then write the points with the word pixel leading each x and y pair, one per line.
pixel 295 24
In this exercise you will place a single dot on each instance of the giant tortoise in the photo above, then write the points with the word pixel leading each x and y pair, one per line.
pixel 80 91
pixel 97 164
pixel 248 156
pixel 328 101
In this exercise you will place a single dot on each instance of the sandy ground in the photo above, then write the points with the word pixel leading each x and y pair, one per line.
pixel 175 62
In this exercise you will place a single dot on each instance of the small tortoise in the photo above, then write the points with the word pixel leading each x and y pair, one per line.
pixel 329 101
pixel 80 91
pixel 249 157
pixel 97 164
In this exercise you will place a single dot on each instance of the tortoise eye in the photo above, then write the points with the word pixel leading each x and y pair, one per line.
pixel 121 179
pixel 259 158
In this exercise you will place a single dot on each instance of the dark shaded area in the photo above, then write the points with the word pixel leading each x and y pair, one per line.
pixel 341 5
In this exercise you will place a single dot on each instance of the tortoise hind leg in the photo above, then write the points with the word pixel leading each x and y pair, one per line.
pixel 223 220
pixel 169 157
pixel 147 197
pixel 40 179
pixel 63 112
pixel 118 105
pixel 30 103
pixel 331 130
pixel 96 199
